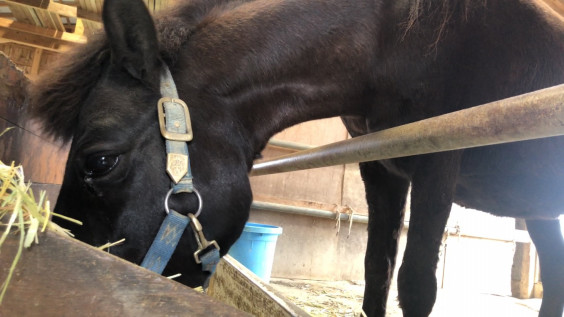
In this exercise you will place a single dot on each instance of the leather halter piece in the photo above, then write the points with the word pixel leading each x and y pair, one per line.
pixel 176 128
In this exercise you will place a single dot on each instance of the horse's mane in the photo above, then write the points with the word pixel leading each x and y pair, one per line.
pixel 440 13
pixel 56 96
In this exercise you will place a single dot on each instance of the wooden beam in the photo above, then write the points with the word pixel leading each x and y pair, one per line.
pixel 522 270
pixel 88 15
pixel 79 27
pixel 32 40
pixel 11 25
pixel 556 5
pixel 60 9
pixel 36 62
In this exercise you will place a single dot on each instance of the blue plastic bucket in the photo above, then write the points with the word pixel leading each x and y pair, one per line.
pixel 255 248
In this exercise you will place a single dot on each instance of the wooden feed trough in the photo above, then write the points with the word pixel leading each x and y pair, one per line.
pixel 64 277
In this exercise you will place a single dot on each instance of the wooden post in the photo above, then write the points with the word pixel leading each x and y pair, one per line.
pixel 237 286
pixel 523 268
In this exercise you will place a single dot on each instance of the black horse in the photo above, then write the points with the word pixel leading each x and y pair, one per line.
pixel 248 69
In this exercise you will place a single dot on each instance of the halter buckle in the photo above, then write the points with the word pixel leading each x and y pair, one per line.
pixel 174 136
pixel 203 243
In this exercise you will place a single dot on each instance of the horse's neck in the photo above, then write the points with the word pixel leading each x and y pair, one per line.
pixel 278 63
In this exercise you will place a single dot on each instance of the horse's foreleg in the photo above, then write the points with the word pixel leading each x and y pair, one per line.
pixel 386 195
pixel 547 237
pixel 432 190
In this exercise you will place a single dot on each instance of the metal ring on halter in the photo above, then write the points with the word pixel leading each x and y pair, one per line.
pixel 200 202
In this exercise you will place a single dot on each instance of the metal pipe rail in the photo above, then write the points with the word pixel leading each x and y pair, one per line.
pixel 534 115
pixel 306 211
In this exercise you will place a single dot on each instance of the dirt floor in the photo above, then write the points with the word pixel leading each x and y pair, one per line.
pixel 344 298
pixel 322 298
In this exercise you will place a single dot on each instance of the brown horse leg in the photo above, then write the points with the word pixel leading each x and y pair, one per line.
pixel 386 195
pixel 431 200
pixel 547 237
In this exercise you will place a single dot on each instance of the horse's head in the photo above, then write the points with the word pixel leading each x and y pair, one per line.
pixel 104 98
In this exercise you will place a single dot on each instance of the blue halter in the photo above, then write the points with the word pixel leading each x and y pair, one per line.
pixel 176 128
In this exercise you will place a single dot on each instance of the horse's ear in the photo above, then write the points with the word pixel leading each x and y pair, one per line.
pixel 133 38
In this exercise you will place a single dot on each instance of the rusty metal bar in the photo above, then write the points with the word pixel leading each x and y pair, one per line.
pixel 530 116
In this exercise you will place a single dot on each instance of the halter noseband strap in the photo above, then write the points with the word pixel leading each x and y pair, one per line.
pixel 176 128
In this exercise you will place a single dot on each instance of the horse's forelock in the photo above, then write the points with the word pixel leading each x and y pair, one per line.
pixel 56 96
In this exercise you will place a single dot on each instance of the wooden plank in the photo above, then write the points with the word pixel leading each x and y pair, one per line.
pixel 91 27
pixel 89 6
pixel 43 17
pixel 30 13
pixel 7 24
pixel 12 90
pixel 38 37
pixel 43 161
pixel 20 13
pixel 304 185
pixel 47 58
pixel 81 5
pixel 64 277
pixel 235 285
pixel 49 19
pixel 99 6
pixel 522 270
pixel 83 13
pixel 34 41
pixel 51 190
pixel 57 21
pixel 20 55
pixel 79 27
pixel 92 6
pixel 36 62
pixel 58 8
pixel 556 5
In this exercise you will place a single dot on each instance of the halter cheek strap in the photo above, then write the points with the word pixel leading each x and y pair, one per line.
pixel 176 128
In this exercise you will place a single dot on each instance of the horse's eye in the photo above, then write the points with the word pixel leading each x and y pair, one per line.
pixel 100 165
